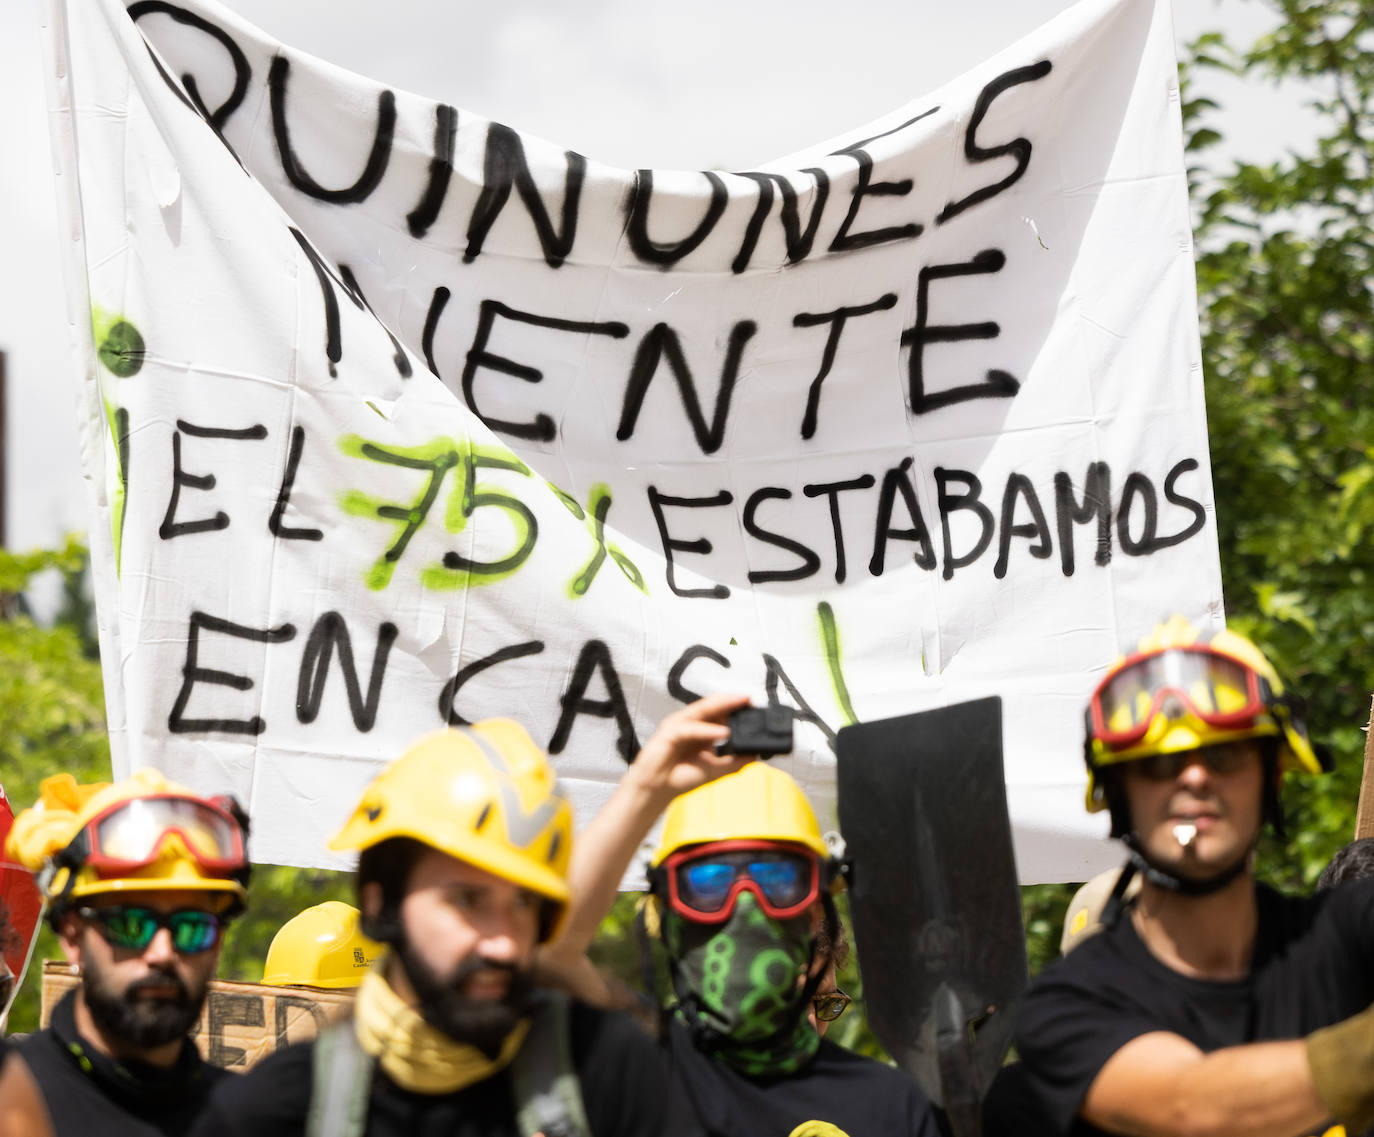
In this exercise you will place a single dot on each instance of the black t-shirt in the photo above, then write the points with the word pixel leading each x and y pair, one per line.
pixel 89 1094
pixel 624 1082
pixel 1313 966
pixel 836 1091
pixel 1011 1107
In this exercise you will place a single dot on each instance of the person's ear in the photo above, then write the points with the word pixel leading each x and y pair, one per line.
pixel 69 930
pixel 373 920
pixel 370 900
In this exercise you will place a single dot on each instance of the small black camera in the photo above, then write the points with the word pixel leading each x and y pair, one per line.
pixel 763 731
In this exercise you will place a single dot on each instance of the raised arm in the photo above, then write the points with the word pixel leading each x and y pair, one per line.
pixel 680 756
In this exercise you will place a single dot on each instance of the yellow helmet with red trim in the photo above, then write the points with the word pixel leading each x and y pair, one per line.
pixel 1181 690
pixel 145 834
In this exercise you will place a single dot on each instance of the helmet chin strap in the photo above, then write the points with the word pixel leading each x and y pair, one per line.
pixel 1162 877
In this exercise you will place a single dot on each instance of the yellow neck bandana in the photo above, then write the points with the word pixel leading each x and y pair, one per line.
pixel 415 1055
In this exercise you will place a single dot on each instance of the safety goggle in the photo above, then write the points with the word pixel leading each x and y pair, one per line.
pixel 830 1006
pixel 130 834
pixel 132 927
pixel 1196 680
pixel 705 881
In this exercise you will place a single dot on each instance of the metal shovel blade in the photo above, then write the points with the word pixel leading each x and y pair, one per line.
pixel 934 897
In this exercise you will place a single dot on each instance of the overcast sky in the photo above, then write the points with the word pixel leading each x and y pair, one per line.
pixel 630 82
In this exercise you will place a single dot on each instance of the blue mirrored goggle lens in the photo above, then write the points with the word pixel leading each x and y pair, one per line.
pixel 705 884
pixel 783 880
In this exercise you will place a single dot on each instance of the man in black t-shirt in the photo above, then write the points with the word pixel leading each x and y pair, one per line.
pixel 464 844
pixel 1207 1005
pixel 141 878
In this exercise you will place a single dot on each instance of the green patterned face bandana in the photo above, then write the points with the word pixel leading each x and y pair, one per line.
pixel 742 981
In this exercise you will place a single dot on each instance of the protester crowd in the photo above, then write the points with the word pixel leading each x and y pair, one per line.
pixel 1190 999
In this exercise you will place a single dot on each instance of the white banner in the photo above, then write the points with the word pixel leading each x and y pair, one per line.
pixel 397 416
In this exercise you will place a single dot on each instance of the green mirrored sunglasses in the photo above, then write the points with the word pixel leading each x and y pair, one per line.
pixel 133 928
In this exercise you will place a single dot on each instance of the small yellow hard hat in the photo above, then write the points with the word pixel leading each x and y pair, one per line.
pixel 484 794
pixel 320 947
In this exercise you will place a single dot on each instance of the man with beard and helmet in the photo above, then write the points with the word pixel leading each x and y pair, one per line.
pixel 740 890
pixel 463 850
pixel 141 878
pixel 1209 1004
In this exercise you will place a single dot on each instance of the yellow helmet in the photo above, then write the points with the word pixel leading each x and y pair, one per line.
pixel 320 947
pixel 757 802
pixel 145 834
pixel 484 794
pixel 1181 691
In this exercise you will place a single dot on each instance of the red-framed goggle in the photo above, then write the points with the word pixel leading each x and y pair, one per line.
pixel 705 881
pixel 1216 689
pixel 129 835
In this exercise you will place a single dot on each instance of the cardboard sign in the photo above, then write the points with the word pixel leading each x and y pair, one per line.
pixel 242 1023
pixel 398 417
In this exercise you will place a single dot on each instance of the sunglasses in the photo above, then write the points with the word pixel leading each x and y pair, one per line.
pixel 133 928
pixel 830 1006
pixel 705 881
pixel 1221 760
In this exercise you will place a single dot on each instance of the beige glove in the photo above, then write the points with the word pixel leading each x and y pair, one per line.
pixel 1341 1059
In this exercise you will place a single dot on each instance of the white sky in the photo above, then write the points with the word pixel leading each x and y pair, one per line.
pixel 694 84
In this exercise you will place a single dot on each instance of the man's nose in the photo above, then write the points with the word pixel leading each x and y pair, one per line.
pixel 500 943
pixel 160 948
pixel 1195 771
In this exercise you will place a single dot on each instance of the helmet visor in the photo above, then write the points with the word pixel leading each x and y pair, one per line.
pixel 1215 689
pixel 130 834
pixel 705 881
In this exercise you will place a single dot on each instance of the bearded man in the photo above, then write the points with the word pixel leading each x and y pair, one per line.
pixel 464 844
pixel 141 877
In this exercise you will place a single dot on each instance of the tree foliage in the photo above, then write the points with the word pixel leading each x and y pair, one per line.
pixel 1284 270
pixel 52 705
